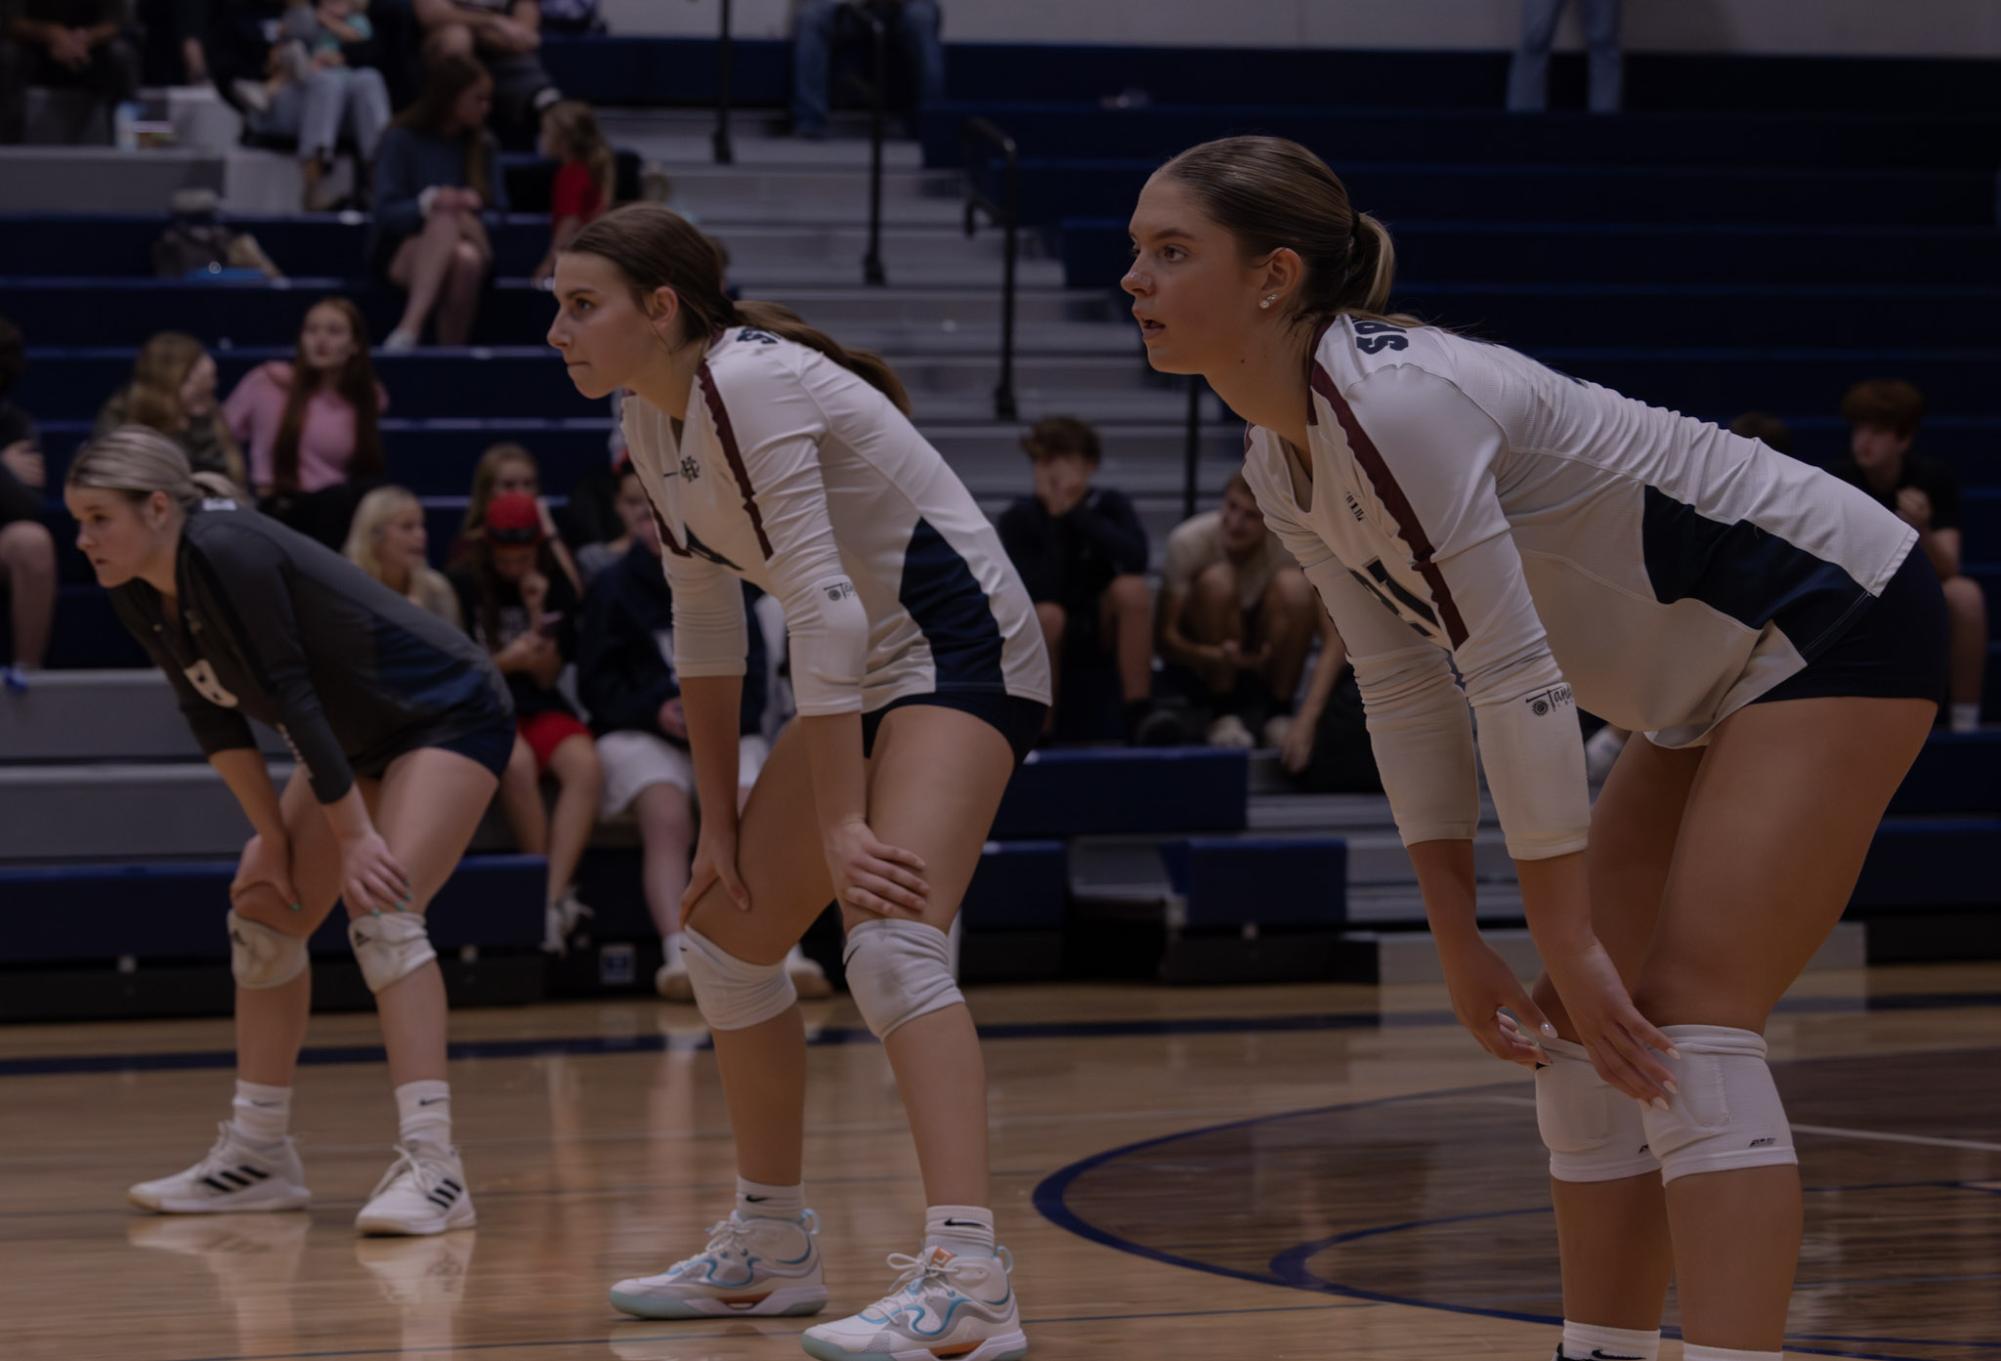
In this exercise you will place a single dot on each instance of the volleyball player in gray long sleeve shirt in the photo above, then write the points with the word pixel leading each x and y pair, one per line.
pixel 401 727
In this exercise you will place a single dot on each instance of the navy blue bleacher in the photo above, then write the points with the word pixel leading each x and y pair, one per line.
pixel 1081 793
pixel 1297 881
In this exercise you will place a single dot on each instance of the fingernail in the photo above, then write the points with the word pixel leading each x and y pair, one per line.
pixel 1671 1088
pixel 1548 1031
pixel 1659 1103
pixel 1673 1053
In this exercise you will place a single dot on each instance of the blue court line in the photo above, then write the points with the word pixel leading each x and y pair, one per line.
pixel 1050 1200
pixel 590 1045
pixel 737 1333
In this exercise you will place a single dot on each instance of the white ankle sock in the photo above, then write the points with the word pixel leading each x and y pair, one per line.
pixel 1691 1352
pixel 260 1113
pixel 424 1114
pixel 960 1229
pixel 755 1200
pixel 1963 717
pixel 1590 1342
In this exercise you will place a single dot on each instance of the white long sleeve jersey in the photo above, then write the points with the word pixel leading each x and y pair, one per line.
pixel 1553 537
pixel 794 474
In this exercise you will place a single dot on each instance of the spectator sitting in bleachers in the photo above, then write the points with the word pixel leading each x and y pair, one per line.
pixel 315 83
pixel 70 44
pixel 1081 552
pixel 625 676
pixel 1236 616
pixel 507 468
pixel 1766 428
pixel 437 175
pixel 1883 416
pixel 634 512
pixel 584 177
pixel 913 27
pixel 505 35
pixel 173 391
pixel 523 609
pixel 27 549
pixel 387 541
pixel 313 426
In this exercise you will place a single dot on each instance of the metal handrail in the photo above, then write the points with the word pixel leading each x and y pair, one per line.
pixel 872 270
pixel 973 133
pixel 725 59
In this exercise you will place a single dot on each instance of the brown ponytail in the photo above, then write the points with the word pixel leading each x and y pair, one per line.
pixel 1271 193
pixel 655 247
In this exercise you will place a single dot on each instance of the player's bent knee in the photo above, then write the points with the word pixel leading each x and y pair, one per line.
pixel 1727 1114
pixel 1594 1131
pixel 261 956
pixel 390 946
pixel 899 970
pixel 732 993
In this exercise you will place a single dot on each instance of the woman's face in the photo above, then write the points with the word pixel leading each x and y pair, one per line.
pixel 401 540
pixel 326 340
pixel 1194 296
pixel 605 339
pixel 472 106
pixel 198 389
pixel 120 536
pixel 516 475
pixel 513 561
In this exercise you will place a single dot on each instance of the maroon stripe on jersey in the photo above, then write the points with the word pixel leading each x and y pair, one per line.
pixel 1313 367
pixel 1392 496
pixel 727 433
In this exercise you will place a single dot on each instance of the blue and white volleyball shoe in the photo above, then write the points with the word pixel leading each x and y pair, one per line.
pixel 943 1307
pixel 757 1268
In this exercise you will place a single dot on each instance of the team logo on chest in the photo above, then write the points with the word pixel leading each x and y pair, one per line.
pixel 690 470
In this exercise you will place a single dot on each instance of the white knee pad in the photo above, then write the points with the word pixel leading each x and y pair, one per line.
pixel 1592 1129
pixel 899 970
pixel 734 994
pixel 261 956
pixel 389 946
pixel 1727 1113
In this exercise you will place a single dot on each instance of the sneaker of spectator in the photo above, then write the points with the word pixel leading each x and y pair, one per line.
pixel 1081 552
pixel 1236 616
pixel 1883 417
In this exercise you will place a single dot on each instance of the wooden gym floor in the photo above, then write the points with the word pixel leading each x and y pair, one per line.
pixel 1274 1172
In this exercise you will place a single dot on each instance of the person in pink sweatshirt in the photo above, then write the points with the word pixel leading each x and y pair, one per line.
pixel 311 428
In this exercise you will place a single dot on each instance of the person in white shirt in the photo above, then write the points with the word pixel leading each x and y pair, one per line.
pixel 774 456
pixel 1463 509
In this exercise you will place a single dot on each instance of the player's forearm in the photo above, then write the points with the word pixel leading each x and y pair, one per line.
pixel 711 705
pixel 840 776
pixel 1445 878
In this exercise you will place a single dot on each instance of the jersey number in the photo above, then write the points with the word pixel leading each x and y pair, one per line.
pixel 202 676
pixel 1373 337
pixel 1383 587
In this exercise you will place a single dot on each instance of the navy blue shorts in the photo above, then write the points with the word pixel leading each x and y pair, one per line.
pixel 1895 648
pixel 491 746
pixel 1018 720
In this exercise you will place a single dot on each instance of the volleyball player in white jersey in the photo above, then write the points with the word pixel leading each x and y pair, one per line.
pixel 772 454
pixel 1767 627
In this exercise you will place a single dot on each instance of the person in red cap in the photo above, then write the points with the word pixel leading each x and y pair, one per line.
pixel 520 605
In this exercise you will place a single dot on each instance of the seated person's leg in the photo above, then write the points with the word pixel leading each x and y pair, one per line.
pixel 1966 614
pixel 1285 626
pixel 812 53
pixel 1213 618
pixel 1125 616
pixel 917 34
pixel 448 40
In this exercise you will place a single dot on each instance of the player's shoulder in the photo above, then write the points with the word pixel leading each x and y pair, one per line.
pixel 1381 358
pixel 752 363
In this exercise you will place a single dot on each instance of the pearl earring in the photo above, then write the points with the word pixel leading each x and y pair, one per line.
pixel 1269 300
